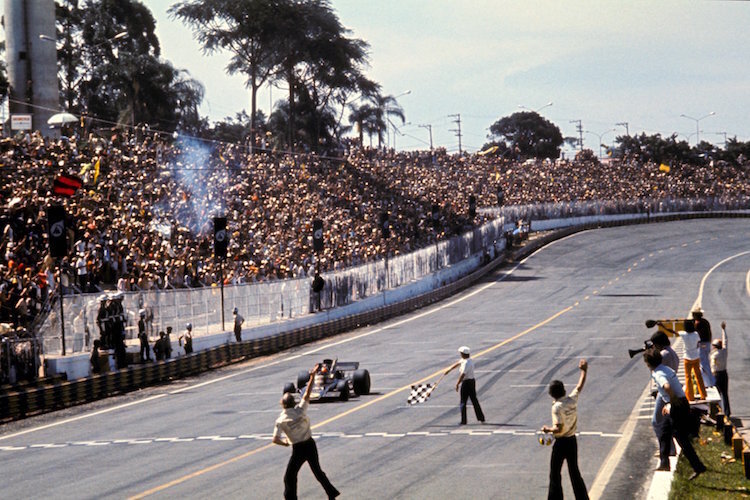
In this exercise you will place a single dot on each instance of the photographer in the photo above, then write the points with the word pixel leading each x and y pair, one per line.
pixel 677 407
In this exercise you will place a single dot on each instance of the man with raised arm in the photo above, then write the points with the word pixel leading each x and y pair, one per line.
pixel 563 428
pixel 295 423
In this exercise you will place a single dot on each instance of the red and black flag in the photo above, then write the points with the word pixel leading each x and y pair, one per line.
pixel 67 185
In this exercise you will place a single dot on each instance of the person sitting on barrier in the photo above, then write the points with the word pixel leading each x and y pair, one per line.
pixel 188 336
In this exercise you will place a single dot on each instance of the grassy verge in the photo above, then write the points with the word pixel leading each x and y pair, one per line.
pixel 724 479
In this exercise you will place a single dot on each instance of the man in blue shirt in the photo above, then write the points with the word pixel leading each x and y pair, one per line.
pixel 676 406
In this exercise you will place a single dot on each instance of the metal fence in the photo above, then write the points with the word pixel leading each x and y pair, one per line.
pixel 259 303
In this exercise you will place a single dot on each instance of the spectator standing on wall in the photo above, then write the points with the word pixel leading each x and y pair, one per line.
pixel 719 355
pixel 703 328
pixel 238 320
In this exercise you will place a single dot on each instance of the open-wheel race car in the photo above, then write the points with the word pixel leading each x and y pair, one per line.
pixel 334 379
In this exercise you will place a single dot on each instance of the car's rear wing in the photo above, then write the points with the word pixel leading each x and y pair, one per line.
pixel 347 366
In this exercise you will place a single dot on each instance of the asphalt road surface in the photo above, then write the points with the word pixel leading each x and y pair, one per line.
pixel 585 296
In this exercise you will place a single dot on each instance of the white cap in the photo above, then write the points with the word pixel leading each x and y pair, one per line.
pixel 464 350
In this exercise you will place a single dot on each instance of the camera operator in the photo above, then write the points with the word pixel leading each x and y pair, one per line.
pixel 676 407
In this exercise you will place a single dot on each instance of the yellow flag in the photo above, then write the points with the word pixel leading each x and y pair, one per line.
pixel 96 169
pixel 664 168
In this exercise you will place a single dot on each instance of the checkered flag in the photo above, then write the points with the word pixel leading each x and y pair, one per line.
pixel 420 392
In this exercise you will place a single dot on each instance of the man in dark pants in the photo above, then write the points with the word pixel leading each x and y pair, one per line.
pixel 719 356
pixel 467 383
pixel 295 423
pixel 564 427
pixel 677 407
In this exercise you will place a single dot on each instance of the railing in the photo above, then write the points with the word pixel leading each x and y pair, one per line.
pixel 259 303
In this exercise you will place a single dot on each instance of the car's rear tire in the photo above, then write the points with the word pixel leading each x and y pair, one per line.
pixel 302 378
pixel 361 382
pixel 289 387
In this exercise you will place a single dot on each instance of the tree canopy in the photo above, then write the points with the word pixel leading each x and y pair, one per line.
pixel 528 135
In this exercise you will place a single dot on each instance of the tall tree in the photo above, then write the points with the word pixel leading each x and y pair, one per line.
pixel 529 135
pixel 110 68
pixel 248 29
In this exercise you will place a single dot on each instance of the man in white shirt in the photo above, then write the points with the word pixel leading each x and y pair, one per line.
pixel 692 361
pixel 467 383
pixel 719 355
pixel 564 427
pixel 295 423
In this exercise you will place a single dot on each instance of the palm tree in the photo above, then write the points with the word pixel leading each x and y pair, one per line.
pixel 386 107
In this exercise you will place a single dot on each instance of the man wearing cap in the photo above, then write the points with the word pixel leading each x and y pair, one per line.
pixel 703 327
pixel 295 423
pixel 467 383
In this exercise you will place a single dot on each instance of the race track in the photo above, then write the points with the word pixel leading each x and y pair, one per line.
pixel 587 295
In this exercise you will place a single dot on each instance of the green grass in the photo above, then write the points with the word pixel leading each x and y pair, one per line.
pixel 724 479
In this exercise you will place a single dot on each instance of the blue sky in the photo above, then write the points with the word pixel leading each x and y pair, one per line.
pixel 641 62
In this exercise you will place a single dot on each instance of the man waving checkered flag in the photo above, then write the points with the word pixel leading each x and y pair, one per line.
pixel 419 393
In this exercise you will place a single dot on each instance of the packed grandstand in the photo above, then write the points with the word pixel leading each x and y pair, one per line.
pixel 143 218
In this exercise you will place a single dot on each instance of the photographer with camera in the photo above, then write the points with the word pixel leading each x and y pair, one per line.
pixel 677 407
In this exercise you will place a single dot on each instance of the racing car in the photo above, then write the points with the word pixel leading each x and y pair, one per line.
pixel 334 379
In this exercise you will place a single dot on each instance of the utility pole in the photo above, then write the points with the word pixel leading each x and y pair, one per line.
pixel 579 128
pixel 725 138
pixel 458 130
pixel 428 127
pixel 624 124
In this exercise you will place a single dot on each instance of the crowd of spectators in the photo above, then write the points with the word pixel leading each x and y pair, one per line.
pixel 143 218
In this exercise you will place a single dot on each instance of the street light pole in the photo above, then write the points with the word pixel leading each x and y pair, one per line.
pixel 600 136
pixel 697 122
pixel 624 124
pixel 538 109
